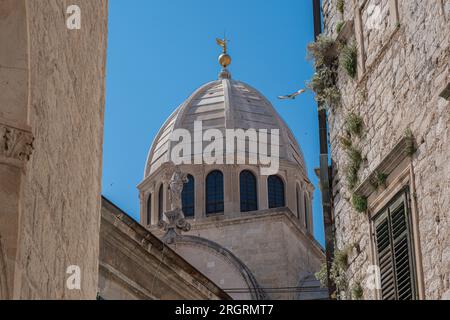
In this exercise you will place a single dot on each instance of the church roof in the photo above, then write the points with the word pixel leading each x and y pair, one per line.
pixel 224 104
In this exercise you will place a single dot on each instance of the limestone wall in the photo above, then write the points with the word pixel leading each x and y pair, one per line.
pixel 271 243
pixel 135 265
pixel 403 67
pixel 63 108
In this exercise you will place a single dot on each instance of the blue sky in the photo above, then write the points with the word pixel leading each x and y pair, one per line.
pixel 160 51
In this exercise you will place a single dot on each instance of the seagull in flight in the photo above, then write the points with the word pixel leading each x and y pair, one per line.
pixel 292 96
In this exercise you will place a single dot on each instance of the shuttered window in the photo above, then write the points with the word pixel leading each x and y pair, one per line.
pixel 394 250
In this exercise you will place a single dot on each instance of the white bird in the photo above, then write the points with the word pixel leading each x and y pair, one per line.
pixel 292 96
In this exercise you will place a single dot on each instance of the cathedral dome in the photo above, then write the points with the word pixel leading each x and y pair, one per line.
pixel 224 104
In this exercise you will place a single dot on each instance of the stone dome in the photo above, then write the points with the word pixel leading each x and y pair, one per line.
pixel 224 104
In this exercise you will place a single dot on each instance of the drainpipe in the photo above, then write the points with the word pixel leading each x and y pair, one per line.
pixel 325 180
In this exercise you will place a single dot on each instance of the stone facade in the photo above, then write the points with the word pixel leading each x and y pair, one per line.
pixel 52 84
pixel 403 69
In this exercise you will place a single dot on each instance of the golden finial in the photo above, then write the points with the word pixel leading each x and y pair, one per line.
pixel 224 58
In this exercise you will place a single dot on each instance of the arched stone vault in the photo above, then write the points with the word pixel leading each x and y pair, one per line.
pixel 240 270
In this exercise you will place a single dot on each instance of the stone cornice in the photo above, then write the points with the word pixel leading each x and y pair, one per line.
pixel 277 214
pixel 401 151
pixel 15 143
pixel 146 248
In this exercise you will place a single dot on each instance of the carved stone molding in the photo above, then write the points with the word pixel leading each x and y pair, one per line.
pixel 15 143
pixel 391 161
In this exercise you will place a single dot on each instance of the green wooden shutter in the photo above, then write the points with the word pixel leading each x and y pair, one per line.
pixel 394 251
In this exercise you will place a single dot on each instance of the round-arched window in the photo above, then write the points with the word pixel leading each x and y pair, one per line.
pixel 149 209
pixel 214 192
pixel 161 203
pixel 275 190
pixel 188 197
pixel 247 183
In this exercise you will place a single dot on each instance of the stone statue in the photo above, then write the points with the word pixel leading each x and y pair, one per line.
pixel 176 188
pixel 176 221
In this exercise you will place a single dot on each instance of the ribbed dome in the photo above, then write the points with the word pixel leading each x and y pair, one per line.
pixel 224 104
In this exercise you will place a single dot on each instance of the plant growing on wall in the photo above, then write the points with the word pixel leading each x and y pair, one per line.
pixel 348 59
pixel 323 82
pixel 322 51
pixel 352 175
pixel 339 26
pixel 379 180
pixel 359 203
pixel 346 143
pixel 323 85
pixel 353 166
pixel 357 291
pixel 338 270
pixel 354 124
pixel 321 275
pixel 340 5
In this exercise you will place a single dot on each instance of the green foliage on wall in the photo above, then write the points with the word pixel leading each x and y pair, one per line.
pixel 348 59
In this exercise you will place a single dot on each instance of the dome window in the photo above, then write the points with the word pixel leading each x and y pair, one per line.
pixel 298 195
pixel 188 197
pixel 161 203
pixel 275 188
pixel 248 193
pixel 214 193
pixel 149 209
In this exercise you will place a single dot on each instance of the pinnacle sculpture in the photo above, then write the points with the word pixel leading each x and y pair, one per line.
pixel 176 221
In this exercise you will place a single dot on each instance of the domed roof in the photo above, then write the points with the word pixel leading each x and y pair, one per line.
pixel 224 104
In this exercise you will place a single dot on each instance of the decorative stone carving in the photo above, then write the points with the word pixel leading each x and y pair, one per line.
pixel 15 143
pixel 176 187
pixel 177 223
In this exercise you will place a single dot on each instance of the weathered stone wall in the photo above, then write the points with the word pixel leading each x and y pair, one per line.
pixel 60 209
pixel 135 265
pixel 403 67
pixel 271 243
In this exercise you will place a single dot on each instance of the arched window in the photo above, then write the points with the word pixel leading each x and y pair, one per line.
pixel 306 212
pixel 247 182
pixel 149 209
pixel 160 203
pixel 298 201
pixel 275 188
pixel 188 197
pixel 214 192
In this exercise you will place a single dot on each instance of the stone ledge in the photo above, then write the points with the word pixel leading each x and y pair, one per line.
pixel 386 166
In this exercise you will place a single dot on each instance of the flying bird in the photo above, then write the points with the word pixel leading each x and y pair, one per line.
pixel 292 96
